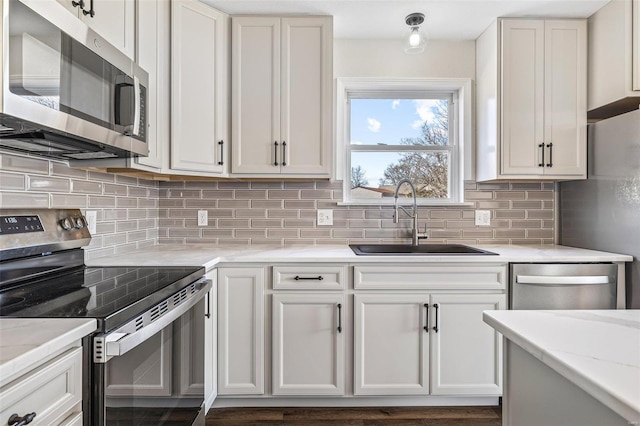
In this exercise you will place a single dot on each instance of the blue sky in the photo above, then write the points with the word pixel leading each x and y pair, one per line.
pixel 385 121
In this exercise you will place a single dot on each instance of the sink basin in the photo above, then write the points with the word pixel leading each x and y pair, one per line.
pixel 423 250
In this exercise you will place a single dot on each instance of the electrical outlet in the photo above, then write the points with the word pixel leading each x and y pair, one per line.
pixel 325 217
pixel 203 218
pixel 92 218
pixel 483 218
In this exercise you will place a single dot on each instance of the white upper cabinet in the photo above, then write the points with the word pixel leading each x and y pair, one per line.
pixel 152 54
pixel 112 19
pixel 282 96
pixel 614 59
pixel 199 80
pixel 531 100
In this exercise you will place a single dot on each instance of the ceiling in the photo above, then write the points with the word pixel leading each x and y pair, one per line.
pixel 384 19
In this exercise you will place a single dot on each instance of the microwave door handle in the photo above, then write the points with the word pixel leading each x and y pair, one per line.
pixel 563 280
pixel 121 343
pixel 136 114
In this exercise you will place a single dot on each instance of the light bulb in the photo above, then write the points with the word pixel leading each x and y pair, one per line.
pixel 414 38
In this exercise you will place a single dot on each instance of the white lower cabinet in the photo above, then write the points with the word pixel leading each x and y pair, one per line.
pixel 420 344
pixel 378 330
pixel 466 354
pixel 52 391
pixel 241 331
pixel 211 342
pixel 391 349
pixel 308 344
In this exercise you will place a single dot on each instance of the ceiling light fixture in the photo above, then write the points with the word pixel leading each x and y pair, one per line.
pixel 414 41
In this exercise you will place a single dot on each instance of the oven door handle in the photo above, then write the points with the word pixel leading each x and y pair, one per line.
pixel 118 344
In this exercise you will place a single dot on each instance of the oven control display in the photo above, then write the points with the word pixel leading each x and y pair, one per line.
pixel 20 224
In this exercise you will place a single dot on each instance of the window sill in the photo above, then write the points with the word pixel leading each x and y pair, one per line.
pixel 404 203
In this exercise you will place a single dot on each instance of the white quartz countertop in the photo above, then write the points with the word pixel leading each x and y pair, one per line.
pixel 599 351
pixel 25 342
pixel 211 255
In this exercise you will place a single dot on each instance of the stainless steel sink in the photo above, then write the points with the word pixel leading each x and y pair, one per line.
pixel 421 250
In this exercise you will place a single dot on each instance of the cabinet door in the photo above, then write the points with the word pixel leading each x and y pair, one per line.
pixel 308 344
pixel 240 331
pixel 565 101
pixel 211 343
pixel 635 55
pixel 466 353
pixel 391 347
pixel 152 55
pixel 115 20
pixel 522 124
pixel 198 88
pixel 255 116
pixel 306 95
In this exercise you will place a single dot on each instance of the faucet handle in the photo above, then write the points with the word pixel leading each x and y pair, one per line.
pixel 423 235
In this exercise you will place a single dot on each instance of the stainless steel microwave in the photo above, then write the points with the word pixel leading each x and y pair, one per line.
pixel 66 92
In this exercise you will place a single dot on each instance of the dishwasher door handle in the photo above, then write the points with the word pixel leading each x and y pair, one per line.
pixel 563 279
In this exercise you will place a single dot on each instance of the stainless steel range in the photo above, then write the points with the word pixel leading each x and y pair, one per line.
pixel 145 364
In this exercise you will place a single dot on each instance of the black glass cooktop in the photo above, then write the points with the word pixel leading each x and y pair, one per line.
pixel 112 295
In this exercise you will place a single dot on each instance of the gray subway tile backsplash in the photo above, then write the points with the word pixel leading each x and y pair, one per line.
pixel 134 212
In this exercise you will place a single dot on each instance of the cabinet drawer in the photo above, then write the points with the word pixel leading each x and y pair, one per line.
pixel 52 391
pixel 450 277
pixel 309 277
pixel 73 420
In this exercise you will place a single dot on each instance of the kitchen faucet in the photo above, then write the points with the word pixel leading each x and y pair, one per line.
pixel 415 235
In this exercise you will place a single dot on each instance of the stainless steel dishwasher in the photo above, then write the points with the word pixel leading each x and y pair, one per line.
pixel 563 286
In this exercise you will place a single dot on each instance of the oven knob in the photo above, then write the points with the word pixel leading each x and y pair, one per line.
pixel 66 224
pixel 80 222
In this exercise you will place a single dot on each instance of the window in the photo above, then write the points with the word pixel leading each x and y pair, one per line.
pixel 393 130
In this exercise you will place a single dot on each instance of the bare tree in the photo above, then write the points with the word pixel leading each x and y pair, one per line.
pixel 427 170
pixel 358 177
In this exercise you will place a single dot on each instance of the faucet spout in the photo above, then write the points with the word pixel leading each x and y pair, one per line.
pixel 415 235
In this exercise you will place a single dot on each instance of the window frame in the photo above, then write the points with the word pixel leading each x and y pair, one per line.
pixel 460 122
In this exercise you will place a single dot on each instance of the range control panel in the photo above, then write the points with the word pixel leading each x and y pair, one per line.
pixel 20 224
pixel 26 232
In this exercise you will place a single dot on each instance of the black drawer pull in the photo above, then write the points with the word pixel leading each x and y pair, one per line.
pixel 339 317
pixel 221 162
pixel 16 420
pixel 435 305
pixel 541 146
pixel 550 146
pixel 426 327
pixel 275 153
pixel 318 278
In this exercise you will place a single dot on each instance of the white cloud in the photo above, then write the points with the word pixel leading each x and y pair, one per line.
pixel 357 143
pixel 374 125
pixel 424 111
pixel 395 103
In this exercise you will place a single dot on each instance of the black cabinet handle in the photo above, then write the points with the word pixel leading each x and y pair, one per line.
pixel 435 305
pixel 221 144
pixel 78 3
pixel 426 327
pixel 275 153
pixel 298 278
pixel 208 313
pixel 16 420
pixel 339 317
pixel 284 153
pixel 550 146
pixel 541 146
pixel 89 12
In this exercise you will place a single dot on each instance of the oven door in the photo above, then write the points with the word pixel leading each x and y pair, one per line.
pixel 153 377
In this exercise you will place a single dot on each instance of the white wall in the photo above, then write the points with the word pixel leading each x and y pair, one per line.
pixel 386 58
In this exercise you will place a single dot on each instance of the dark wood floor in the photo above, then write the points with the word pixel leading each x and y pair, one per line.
pixel 434 416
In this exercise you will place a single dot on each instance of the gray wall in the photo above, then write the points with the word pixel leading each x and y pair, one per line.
pixel 603 212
